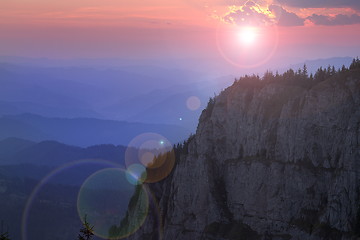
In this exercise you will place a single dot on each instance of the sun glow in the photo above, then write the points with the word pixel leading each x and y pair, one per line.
pixel 248 35
pixel 246 46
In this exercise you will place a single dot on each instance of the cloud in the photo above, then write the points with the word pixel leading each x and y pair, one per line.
pixel 247 15
pixel 250 13
pixel 355 4
pixel 286 18
pixel 339 19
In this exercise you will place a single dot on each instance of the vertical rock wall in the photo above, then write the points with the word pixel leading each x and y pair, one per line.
pixel 268 161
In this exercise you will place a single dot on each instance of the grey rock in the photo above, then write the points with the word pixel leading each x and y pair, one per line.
pixel 268 161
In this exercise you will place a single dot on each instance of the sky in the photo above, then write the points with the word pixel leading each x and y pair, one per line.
pixel 244 34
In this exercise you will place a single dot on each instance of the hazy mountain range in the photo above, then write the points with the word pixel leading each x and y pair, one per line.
pixel 75 103
pixel 57 171
pixel 43 152
pixel 102 93
pixel 83 131
pixel 130 90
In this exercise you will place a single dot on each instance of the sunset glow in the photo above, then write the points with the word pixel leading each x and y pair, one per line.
pixel 179 119
pixel 175 29
pixel 248 35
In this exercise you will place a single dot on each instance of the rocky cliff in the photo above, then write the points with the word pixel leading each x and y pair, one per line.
pixel 269 160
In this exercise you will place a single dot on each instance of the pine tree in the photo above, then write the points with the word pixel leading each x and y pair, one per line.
pixel 289 74
pixel 304 71
pixel 4 235
pixel 268 76
pixel 355 64
pixel 333 71
pixel 320 75
pixel 86 232
pixel 311 77
pixel 343 68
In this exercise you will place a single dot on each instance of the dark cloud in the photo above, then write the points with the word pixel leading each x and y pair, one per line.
pixel 286 18
pixel 355 4
pixel 339 19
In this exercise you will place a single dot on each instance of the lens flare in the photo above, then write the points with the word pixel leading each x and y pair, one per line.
pixel 114 206
pixel 136 174
pixel 154 152
pixel 193 103
pixel 246 47
pixel 34 219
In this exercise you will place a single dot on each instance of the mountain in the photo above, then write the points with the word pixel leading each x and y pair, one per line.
pixel 169 104
pixel 25 159
pixel 11 146
pixel 80 91
pixel 313 65
pixel 14 151
pixel 143 91
pixel 272 158
pixel 43 179
pixel 83 131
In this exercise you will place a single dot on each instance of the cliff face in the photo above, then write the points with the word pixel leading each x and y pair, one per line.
pixel 268 161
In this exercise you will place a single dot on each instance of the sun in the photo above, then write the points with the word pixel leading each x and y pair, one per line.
pixel 248 35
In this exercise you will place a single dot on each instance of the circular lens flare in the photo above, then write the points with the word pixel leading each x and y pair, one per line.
pixel 154 152
pixel 114 206
pixel 33 217
pixel 246 46
pixel 136 174
pixel 193 103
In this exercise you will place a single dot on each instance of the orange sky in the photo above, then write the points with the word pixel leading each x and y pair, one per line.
pixel 98 13
pixel 176 28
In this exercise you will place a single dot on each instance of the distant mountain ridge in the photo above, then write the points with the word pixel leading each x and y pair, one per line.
pixel 149 92
pixel 313 65
pixel 57 171
pixel 91 92
pixel 14 151
pixel 83 131
pixel 11 146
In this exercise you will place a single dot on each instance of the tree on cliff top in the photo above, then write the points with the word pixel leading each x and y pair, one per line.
pixel 355 64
